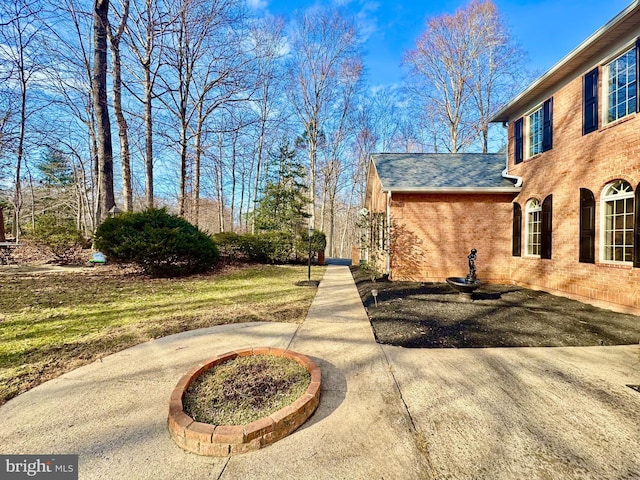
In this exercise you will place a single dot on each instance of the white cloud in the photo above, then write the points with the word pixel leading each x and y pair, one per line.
pixel 257 4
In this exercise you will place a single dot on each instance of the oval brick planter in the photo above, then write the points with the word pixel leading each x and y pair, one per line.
pixel 223 440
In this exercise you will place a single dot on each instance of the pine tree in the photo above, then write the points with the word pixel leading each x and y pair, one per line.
pixel 283 206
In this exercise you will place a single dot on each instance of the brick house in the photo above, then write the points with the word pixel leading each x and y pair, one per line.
pixel 439 207
pixel 571 226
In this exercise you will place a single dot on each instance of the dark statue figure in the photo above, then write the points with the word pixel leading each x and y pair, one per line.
pixel 471 277
pixel 467 285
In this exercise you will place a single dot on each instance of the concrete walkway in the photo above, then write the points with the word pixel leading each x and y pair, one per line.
pixel 385 412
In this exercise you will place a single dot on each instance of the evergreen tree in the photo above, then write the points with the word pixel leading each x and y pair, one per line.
pixel 283 206
pixel 55 169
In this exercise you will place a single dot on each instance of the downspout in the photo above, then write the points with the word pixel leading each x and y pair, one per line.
pixel 505 172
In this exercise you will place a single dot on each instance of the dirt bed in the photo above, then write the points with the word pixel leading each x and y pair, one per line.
pixel 433 315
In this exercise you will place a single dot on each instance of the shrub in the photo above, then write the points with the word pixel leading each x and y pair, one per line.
pixel 267 247
pixel 164 245
pixel 59 237
pixel 230 244
pixel 273 246
pixel 318 242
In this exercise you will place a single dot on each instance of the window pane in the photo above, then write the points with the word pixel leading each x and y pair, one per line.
pixel 621 86
pixel 608 253
pixel 618 254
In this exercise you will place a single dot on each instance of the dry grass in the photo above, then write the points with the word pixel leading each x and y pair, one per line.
pixel 51 323
pixel 245 389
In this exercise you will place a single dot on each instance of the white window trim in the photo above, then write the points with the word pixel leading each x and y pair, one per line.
pixel 603 200
pixel 604 85
pixel 527 132
pixel 529 209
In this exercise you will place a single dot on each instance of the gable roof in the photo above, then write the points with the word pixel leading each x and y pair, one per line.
pixel 442 172
pixel 621 29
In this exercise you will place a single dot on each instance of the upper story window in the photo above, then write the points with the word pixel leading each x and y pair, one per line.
pixel 537 129
pixel 617 231
pixel 622 87
pixel 535 132
pixel 533 225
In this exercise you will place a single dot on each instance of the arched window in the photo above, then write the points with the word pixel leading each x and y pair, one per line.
pixel 533 225
pixel 617 222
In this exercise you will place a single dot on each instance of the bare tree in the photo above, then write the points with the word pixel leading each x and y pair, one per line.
pixel 106 196
pixel 69 25
pixel 205 70
pixel 125 157
pixel 321 41
pixel 146 33
pixel 498 66
pixel 19 41
pixel 456 68
pixel 268 38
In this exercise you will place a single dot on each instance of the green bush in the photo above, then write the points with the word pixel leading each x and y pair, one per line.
pixel 318 242
pixel 59 237
pixel 164 245
pixel 230 244
pixel 273 246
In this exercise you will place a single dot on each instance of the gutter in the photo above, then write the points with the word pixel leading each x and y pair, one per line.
pixel 505 172
pixel 458 190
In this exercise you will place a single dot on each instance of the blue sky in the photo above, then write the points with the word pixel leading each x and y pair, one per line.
pixel 546 29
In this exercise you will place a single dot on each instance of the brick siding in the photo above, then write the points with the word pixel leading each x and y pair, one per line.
pixel 576 161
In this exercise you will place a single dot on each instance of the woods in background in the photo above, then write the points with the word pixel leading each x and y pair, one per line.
pixel 133 104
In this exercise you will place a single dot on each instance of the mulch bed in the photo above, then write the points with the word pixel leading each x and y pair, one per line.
pixel 433 315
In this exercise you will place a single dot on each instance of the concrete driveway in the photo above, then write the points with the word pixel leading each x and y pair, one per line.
pixel 534 413
pixel 385 412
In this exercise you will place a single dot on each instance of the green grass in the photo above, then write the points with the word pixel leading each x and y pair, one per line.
pixel 245 389
pixel 53 323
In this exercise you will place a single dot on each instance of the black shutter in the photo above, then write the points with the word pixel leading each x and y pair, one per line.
pixel 587 226
pixel 590 102
pixel 636 229
pixel 546 227
pixel 637 73
pixel 547 125
pixel 516 245
pixel 519 153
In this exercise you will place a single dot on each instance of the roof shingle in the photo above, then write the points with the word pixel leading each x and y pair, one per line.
pixel 441 171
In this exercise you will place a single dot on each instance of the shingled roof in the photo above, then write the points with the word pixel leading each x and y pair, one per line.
pixel 442 172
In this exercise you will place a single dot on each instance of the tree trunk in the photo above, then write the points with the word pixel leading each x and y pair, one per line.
pixel 196 167
pixel 148 138
pixel 3 238
pixel 125 156
pixel 106 196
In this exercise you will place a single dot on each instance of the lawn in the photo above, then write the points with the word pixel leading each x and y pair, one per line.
pixel 51 323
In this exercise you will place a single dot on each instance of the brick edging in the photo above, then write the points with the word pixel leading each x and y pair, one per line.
pixel 223 440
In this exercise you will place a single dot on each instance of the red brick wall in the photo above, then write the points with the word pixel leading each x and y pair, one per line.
pixel 433 234
pixel 577 161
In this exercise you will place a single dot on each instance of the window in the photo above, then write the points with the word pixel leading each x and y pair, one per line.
pixel 539 130
pixel 587 226
pixel 590 102
pixel 617 231
pixel 516 239
pixel 534 218
pixel 535 132
pixel 622 95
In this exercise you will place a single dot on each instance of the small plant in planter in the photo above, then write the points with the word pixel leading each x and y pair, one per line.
pixel 258 397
